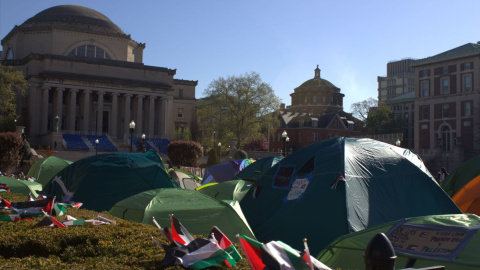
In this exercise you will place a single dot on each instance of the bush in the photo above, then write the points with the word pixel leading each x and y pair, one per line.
pixel 10 145
pixel 240 154
pixel 212 158
pixel 257 143
pixel 184 153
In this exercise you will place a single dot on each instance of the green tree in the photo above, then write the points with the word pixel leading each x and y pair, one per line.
pixel 187 135
pixel 237 106
pixel 382 120
pixel 12 83
pixel 360 110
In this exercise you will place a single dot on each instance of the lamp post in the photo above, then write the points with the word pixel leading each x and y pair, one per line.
pixel 132 128
pixel 286 147
pixel 144 148
pixel 284 136
pixel 56 122
pixel 398 143
pixel 219 145
pixel 96 146
pixel 214 134
pixel 183 127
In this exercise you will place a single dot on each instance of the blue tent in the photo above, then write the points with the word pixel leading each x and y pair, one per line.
pixel 224 171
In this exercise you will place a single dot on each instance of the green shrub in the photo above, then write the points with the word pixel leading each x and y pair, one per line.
pixel 10 145
pixel 212 158
pixel 184 153
pixel 240 154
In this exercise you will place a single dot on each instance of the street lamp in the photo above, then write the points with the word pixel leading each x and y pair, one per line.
pixel 144 148
pixel 398 143
pixel 219 145
pixel 286 147
pixel 284 136
pixel 132 128
pixel 56 121
pixel 96 146
pixel 182 131
pixel 214 138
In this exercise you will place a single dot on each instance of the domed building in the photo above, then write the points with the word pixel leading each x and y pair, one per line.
pixel 87 76
pixel 316 114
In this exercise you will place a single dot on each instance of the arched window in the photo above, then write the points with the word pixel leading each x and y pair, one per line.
pixel 9 54
pixel 90 51
pixel 446 141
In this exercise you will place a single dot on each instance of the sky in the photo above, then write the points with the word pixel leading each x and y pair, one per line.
pixel 351 41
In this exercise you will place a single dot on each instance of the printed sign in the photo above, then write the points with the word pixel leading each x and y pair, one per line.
pixel 297 189
pixel 430 241
pixel 283 177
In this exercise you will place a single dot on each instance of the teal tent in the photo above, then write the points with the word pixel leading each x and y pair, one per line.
pixel 43 170
pixel 256 169
pixel 438 240
pixel 24 187
pixel 102 180
pixel 338 186
pixel 461 176
pixel 197 212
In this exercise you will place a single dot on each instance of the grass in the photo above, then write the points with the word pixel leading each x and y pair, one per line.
pixel 126 245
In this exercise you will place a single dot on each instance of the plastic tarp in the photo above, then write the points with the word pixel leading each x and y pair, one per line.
pixel 21 186
pixel 46 168
pixel 461 176
pixel 102 180
pixel 228 190
pixel 338 186
pixel 197 212
pixel 347 251
pixel 224 171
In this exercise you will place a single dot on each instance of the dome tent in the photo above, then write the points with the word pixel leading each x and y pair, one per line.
pixel 46 168
pixel 102 180
pixel 338 186
pixel 196 211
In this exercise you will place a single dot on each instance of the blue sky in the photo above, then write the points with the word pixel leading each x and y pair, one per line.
pixel 351 41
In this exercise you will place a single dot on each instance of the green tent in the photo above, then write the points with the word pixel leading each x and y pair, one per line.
pixel 256 169
pixel 197 212
pixel 421 247
pixel 46 168
pixel 338 186
pixel 461 176
pixel 24 187
pixel 228 190
pixel 102 180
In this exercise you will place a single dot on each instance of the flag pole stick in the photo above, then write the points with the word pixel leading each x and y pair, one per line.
pixel 307 251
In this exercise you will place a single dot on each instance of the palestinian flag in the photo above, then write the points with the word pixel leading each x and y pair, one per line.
pixel 276 255
pixel 13 217
pixel 180 233
pixel 33 207
pixel 200 253
pixel 253 251
pixel 222 240
pixel 5 204
pixel 59 210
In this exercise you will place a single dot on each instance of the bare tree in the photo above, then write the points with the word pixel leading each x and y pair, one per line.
pixel 361 109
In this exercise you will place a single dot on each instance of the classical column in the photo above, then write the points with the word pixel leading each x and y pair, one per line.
pixel 58 106
pixel 139 115
pixel 151 117
pixel 169 119
pixel 99 112
pixel 163 118
pixel 34 98
pixel 86 110
pixel 113 124
pixel 44 113
pixel 72 110
pixel 128 118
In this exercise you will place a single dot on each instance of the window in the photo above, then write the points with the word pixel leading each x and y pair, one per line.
pixel 467 110
pixel 425 112
pixel 445 88
pixel 180 93
pixel 314 136
pixel 90 51
pixel 467 83
pixel 180 113
pixel 314 123
pixel 445 110
pixel 300 137
pixel 424 89
pixel 335 123
pixel 323 100
pixel 425 73
pixel 9 54
pixel 445 70
pixel 306 100
pixel 314 99
pixel 406 117
pixel 467 66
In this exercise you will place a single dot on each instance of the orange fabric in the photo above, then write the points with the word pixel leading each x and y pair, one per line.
pixel 468 198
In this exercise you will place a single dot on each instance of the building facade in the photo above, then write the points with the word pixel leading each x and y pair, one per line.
pixel 87 76
pixel 316 114
pixel 447 102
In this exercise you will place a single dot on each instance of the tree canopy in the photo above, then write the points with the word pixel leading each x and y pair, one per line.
pixel 236 107
pixel 12 83
pixel 382 120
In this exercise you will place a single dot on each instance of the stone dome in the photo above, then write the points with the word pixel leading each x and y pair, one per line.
pixel 75 18
pixel 317 81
